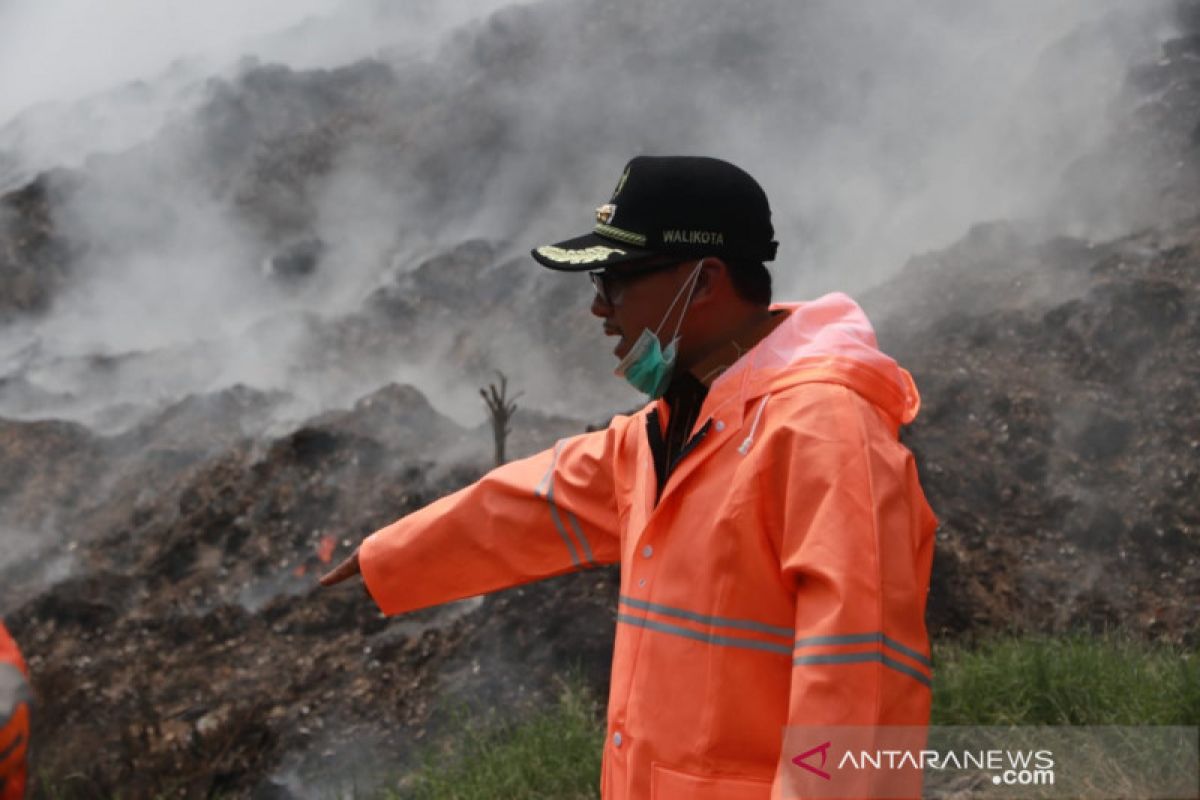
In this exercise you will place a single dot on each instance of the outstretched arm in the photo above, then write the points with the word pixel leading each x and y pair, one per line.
pixel 551 513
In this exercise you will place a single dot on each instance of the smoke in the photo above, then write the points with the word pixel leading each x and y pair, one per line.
pixel 878 131
pixel 77 78
pixel 29 561
pixel 251 194
pixel 64 50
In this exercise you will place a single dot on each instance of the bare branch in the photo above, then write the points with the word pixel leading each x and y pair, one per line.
pixel 502 409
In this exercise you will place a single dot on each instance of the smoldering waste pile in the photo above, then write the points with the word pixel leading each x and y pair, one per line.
pixel 189 639
pixel 167 603
pixel 1060 435
pixel 1060 444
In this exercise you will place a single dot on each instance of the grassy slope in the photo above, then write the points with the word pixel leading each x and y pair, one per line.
pixel 1077 680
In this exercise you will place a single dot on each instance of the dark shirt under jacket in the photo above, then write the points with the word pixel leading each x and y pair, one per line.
pixel 684 396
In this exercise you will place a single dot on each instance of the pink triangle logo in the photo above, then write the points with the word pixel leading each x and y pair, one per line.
pixel 823 749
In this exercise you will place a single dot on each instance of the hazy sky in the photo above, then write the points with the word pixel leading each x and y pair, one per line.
pixel 878 129
pixel 58 50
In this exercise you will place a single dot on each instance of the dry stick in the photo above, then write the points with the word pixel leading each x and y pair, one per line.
pixel 501 410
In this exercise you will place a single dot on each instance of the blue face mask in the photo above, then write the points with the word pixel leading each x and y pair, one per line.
pixel 648 365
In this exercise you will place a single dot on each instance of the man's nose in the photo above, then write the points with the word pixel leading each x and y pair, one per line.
pixel 599 307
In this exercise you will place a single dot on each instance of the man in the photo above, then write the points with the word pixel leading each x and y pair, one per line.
pixel 774 541
pixel 15 699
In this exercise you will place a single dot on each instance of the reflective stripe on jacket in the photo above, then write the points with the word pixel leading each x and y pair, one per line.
pixel 15 700
pixel 780 579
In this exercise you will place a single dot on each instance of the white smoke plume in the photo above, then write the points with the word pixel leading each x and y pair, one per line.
pixel 78 78
pixel 878 131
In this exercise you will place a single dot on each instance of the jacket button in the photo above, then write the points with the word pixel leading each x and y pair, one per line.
pixel 720 426
pixel 647 551
pixel 641 582
pixel 617 739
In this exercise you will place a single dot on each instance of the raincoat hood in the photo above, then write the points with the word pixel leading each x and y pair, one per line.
pixel 826 340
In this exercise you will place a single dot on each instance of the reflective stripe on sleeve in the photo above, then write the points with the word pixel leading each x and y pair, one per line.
pixel 877 638
pixel 587 547
pixel 858 658
pixel 12 748
pixel 14 691
pixel 864 638
pixel 545 488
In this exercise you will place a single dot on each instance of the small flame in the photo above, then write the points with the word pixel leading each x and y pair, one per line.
pixel 325 549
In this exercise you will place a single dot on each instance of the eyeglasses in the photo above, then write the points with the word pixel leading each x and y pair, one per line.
pixel 609 283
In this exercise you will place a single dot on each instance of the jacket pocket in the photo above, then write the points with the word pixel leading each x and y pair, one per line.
pixel 670 784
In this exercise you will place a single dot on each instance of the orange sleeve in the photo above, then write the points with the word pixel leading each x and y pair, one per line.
pixel 9 653
pixel 16 698
pixel 855 538
pixel 551 513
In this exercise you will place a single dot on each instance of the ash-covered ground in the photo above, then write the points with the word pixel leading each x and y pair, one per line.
pixel 169 498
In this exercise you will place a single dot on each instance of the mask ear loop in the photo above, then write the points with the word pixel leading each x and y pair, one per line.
pixel 694 278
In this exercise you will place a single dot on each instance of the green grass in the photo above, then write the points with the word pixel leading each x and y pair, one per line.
pixel 1069 680
pixel 551 754
pixel 1032 680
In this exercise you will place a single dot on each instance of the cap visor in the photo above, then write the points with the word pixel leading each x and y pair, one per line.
pixel 586 253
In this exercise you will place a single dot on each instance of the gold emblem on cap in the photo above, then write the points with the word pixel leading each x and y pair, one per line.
pixel 605 213
pixel 586 255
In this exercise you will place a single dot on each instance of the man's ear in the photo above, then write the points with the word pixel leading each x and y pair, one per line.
pixel 713 273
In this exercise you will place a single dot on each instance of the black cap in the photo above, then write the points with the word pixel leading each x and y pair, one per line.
pixel 672 205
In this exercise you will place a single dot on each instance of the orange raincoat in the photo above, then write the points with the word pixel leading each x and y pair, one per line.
pixel 780 579
pixel 15 698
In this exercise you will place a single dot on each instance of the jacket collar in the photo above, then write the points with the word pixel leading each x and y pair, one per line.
pixel 826 340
